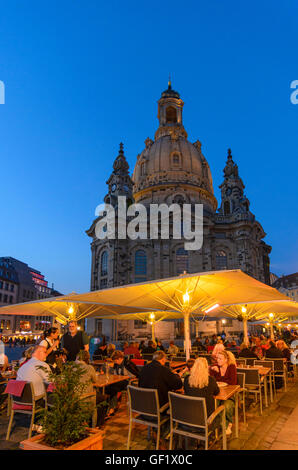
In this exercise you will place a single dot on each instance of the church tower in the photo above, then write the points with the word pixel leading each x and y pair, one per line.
pixel 110 266
pixel 232 190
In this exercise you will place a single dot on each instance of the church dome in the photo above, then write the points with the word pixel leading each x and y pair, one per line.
pixel 171 160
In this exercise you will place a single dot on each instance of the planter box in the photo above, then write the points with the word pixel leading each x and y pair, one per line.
pixel 93 442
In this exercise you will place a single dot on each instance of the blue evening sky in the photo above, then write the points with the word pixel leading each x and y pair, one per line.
pixel 81 76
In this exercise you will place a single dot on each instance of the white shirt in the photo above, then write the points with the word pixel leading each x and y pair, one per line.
pixel 31 373
pixel 46 342
pixel 2 355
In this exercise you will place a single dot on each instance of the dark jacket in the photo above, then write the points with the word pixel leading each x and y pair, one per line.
pixel 208 393
pixel 273 352
pixel 148 350
pixel 246 352
pixel 199 345
pixel 129 365
pixel 154 375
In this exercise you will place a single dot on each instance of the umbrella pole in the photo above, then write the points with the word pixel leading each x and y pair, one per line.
pixel 152 331
pixel 186 335
pixel 245 334
pixel 271 331
pixel 197 329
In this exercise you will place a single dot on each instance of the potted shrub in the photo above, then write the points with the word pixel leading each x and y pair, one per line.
pixel 65 422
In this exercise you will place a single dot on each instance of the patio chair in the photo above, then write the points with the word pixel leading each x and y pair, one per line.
pixel 253 384
pixel 145 403
pixel 241 382
pixel 241 362
pixel 250 361
pixel 270 364
pixel 280 370
pixel 27 404
pixel 188 417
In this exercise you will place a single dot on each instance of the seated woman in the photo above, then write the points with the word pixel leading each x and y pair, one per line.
pixel 225 371
pixel 186 371
pixel 89 378
pixel 101 350
pixel 217 348
pixel 26 355
pixel 110 349
pixel 200 384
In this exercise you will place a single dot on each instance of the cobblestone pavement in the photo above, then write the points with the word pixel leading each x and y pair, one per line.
pixel 275 429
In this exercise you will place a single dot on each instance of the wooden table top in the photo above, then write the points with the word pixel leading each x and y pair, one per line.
pixel 227 392
pixel 262 370
pixel 98 362
pixel 11 375
pixel 103 381
pixel 177 364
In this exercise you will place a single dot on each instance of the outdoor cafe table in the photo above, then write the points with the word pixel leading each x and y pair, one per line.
pixel 103 381
pixel 228 392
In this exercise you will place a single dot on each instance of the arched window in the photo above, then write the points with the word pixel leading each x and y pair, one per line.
pixel 176 160
pixel 143 169
pixel 181 261
pixel 171 114
pixel 140 266
pixel 221 260
pixel 227 210
pixel 104 264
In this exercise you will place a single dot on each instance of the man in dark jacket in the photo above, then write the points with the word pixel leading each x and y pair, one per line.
pixel 156 375
pixel 274 353
pixel 120 366
pixel 150 349
pixel 123 365
pixel 198 344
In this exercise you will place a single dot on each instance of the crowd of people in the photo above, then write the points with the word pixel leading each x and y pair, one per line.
pixel 198 377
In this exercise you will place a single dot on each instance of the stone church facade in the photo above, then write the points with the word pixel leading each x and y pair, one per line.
pixel 172 170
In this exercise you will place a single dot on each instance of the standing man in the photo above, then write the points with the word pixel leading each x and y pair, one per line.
pixel 74 341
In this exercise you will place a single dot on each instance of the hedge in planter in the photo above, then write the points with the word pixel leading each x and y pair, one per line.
pixel 66 420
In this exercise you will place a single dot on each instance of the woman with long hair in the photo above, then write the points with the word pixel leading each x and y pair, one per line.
pixel 217 348
pixel 226 372
pixel 51 343
pixel 110 349
pixel 200 384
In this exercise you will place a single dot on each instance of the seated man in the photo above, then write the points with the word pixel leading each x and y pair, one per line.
pixel 120 366
pixel 150 349
pixel 173 349
pixel 157 375
pixel 123 365
pixel 31 371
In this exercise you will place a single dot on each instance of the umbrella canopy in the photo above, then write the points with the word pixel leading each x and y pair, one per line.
pixel 188 294
pixel 66 310
pixel 200 292
pixel 269 311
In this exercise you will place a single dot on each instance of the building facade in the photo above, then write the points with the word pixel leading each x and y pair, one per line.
pixel 172 170
pixel 19 283
pixel 288 285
